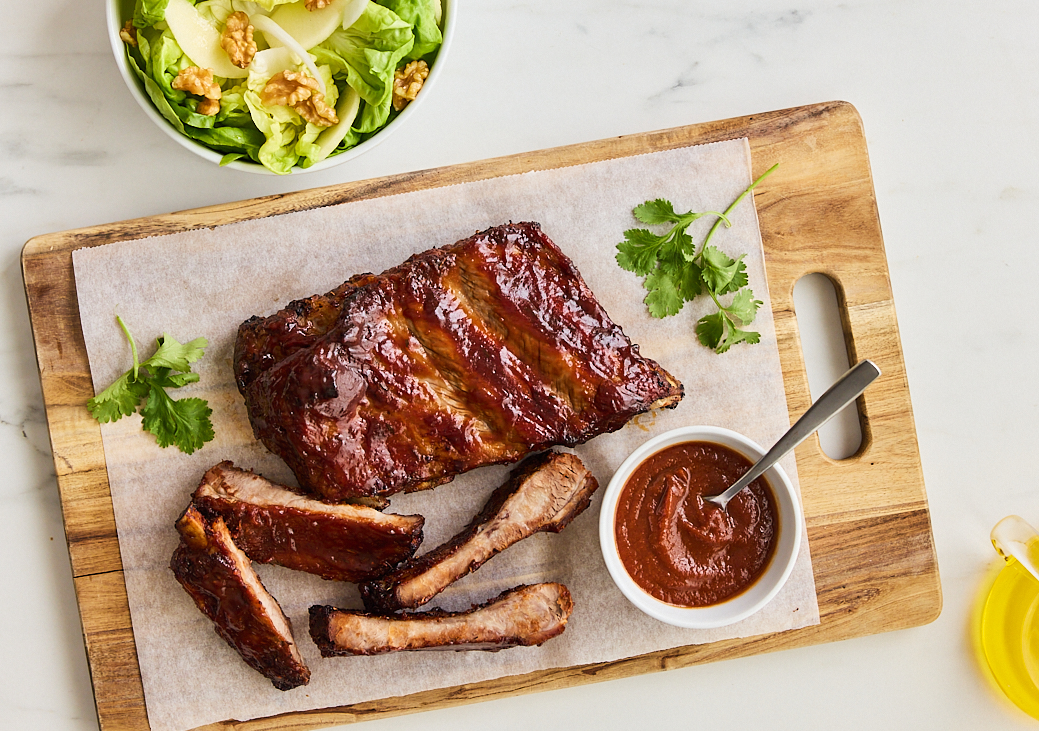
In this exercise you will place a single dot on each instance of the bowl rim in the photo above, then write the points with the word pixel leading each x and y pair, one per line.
pixel 747 602
pixel 115 24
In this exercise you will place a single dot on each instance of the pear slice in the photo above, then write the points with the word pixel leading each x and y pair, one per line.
pixel 200 40
pixel 271 61
pixel 313 27
pixel 274 32
pixel 346 109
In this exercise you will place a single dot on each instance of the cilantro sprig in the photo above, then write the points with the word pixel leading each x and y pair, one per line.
pixel 676 271
pixel 184 422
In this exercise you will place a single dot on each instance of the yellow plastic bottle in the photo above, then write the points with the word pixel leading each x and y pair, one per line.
pixel 1008 629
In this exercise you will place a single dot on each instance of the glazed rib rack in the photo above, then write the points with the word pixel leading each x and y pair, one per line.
pixel 471 354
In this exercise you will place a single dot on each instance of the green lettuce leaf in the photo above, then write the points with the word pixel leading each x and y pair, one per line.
pixel 149 12
pixel 288 137
pixel 229 131
pixel 367 53
pixel 422 18
pixel 151 88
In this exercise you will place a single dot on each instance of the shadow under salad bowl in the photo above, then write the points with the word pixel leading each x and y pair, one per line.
pixel 120 11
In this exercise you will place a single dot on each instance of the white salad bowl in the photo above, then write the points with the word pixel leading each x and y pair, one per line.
pixel 118 11
pixel 754 597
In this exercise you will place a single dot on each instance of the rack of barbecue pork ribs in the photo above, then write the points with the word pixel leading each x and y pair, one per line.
pixel 483 352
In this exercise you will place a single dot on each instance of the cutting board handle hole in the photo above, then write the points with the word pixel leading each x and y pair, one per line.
pixel 821 316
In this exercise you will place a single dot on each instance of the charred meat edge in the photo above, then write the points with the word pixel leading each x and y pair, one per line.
pixel 222 582
pixel 263 341
pixel 526 615
pixel 273 524
pixel 543 494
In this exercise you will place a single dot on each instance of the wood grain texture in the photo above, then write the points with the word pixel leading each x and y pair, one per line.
pixel 869 529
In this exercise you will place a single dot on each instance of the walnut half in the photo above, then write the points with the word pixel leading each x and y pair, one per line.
pixel 199 81
pixel 237 39
pixel 208 107
pixel 302 93
pixel 128 34
pixel 407 82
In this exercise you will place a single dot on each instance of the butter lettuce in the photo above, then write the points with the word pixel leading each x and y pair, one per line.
pixel 366 54
pixel 229 131
pixel 149 12
pixel 363 56
pixel 421 16
pixel 289 138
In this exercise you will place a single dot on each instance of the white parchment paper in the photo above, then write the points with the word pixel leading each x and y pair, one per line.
pixel 207 282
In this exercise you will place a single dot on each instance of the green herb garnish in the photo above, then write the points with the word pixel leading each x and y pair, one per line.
pixel 677 272
pixel 184 422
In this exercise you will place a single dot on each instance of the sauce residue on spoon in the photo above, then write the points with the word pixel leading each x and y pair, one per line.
pixel 682 549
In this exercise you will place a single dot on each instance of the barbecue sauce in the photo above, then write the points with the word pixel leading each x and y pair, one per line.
pixel 682 549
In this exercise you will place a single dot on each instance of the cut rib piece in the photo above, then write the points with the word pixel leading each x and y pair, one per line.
pixel 272 524
pixel 543 494
pixel 473 354
pixel 526 615
pixel 221 580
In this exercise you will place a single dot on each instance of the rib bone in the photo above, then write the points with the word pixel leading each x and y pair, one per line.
pixel 543 494
pixel 526 615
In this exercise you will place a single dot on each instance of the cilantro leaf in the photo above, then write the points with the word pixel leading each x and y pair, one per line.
pixel 638 252
pixel 176 380
pixel 744 307
pixel 171 354
pixel 676 272
pixel 734 335
pixel 740 280
pixel 710 329
pixel 163 378
pixel 663 299
pixel 118 400
pixel 658 211
pixel 673 250
pixel 184 422
pixel 690 284
pixel 720 271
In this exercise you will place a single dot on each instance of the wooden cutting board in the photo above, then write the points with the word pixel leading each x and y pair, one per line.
pixel 868 524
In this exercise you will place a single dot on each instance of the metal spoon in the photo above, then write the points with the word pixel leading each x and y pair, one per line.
pixel 839 395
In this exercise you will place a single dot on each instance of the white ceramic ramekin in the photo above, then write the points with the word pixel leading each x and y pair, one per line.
pixel 752 599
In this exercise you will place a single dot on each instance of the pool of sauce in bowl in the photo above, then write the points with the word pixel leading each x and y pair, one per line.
pixel 682 549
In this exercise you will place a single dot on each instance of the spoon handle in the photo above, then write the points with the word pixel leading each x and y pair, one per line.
pixel 840 394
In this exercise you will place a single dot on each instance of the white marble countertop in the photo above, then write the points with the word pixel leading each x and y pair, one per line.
pixel 949 95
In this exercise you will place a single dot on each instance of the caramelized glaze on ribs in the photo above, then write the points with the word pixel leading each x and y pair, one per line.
pixel 526 615
pixel 471 354
pixel 544 493
pixel 262 342
pixel 272 524
pixel 221 580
